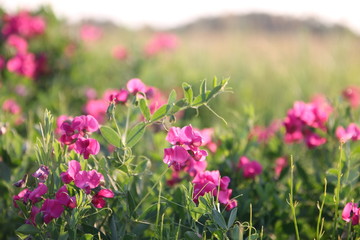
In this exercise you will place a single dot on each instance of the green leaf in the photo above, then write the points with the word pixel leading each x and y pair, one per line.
pixel 135 134
pixel 218 234
pixel 160 113
pixel 219 219
pixel 332 171
pixel 213 92
pixel 191 236
pixel 144 108
pixel 232 217
pixel 27 229
pixel 215 82
pixel 111 136
pixel 63 236
pixel 201 99
pixel 188 92
pixel 172 97
pixel 87 236
pixel 203 87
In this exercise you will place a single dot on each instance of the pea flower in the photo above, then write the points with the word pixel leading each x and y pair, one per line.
pixel 135 85
pixel 352 95
pixel 98 199
pixel 352 132
pixel 51 209
pixel 42 173
pixel 249 168
pixel 351 213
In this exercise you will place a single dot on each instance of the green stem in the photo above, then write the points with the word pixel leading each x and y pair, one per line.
pixel 250 224
pixel 337 191
pixel 319 229
pixel 291 198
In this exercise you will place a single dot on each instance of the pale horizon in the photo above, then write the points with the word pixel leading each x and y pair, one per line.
pixel 167 14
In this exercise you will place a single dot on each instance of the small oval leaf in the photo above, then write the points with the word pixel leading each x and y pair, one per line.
pixel 135 134
pixel 111 136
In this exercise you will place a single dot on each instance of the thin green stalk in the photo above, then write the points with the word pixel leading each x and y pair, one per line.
pixel 158 206
pixel 126 126
pixel 349 230
pixel 250 224
pixel 291 198
pixel 337 191
pixel 320 222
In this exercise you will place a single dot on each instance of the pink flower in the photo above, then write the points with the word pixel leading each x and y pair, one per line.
pixel 211 182
pixel 18 43
pixel 36 195
pixel 88 180
pixel 23 24
pixel 11 106
pixel 97 109
pixel 23 195
pixel 51 209
pixel 161 42
pixel 352 95
pixel 62 195
pixel 119 53
pixel 207 141
pixel 90 33
pixel 185 136
pixel 351 213
pixel 85 124
pixel 87 146
pixel 313 140
pixel 90 93
pixel 264 134
pixel 22 182
pixel 32 219
pixel 280 164
pixel 351 132
pixel 250 168
pixel 135 85
pixel 42 173
pixel 175 156
pixel 117 96
pixel 23 64
pixel 98 199
pixel 59 121
pixel 73 168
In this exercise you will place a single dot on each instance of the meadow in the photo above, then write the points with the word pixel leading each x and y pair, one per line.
pixel 112 133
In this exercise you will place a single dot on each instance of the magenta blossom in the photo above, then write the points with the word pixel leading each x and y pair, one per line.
pixel 97 109
pixel 352 132
pixel 90 33
pixel 187 135
pixel 32 219
pixel 249 168
pixel 23 196
pixel 36 195
pixel 280 164
pixel 42 173
pixel 161 42
pixel 264 134
pixel 351 213
pixel 23 24
pixel 62 195
pixel 211 182
pixel 87 146
pixel 176 156
pixel 352 95
pixel 117 96
pixel 11 106
pixel 119 53
pixel 207 134
pixel 135 85
pixel 73 168
pixel 51 209
pixel 18 43
pixel 98 199
pixel 23 64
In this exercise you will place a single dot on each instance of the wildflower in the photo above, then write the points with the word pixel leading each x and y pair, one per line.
pixel 263 134
pixel 34 211
pixel 73 168
pixel 280 164
pixel 352 132
pixel 211 182
pixel 23 64
pixel 250 168
pixel 175 156
pixel 22 182
pixel 98 199
pixel 351 213
pixel 87 146
pixel 352 95
pixel 23 196
pixel 36 195
pixel 97 109
pixel 207 141
pixel 23 24
pixel 51 209
pixel 63 197
pixel 18 43
pixel 135 85
pixel 42 173
pixel 117 96
pixel 161 42
pixel 90 33
pixel 11 106
pixel 119 53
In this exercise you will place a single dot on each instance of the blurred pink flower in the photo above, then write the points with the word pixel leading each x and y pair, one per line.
pixel 249 168
pixel 18 43
pixel 23 24
pixel 352 132
pixel 351 213
pixel 36 195
pixel 280 164
pixel 117 96
pixel 135 85
pixel 23 196
pixel 21 90
pixel 23 64
pixel 211 182
pixel 264 134
pixel 97 109
pixel 62 195
pixel 32 219
pixel 90 33
pixel 90 93
pixel 161 42
pixel 98 199
pixel 352 95
pixel 119 53
pixel 11 106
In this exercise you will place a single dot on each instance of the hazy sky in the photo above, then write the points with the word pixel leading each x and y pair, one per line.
pixel 167 13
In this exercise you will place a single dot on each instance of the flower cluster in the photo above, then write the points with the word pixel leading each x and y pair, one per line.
pixel 212 182
pixel 90 33
pixel 50 208
pixel 250 169
pixel 264 134
pixel 75 134
pixel 88 181
pixel 352 132
pixel 351 213
pixel 304 118
pixel 352 95
pixel 186 143
pixel 16 30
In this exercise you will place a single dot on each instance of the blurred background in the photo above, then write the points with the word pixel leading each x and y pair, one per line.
pixel 275 52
